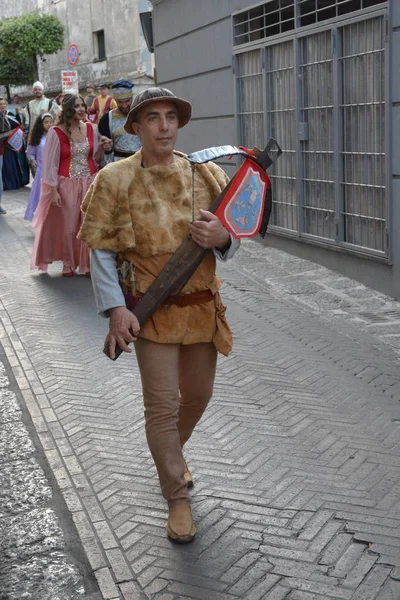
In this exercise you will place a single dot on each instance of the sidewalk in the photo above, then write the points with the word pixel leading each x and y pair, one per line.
pixel 40 556
pixel 296 462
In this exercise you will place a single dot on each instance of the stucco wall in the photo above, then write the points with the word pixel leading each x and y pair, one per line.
pixel 126 52
pixel 16 8
pixel 126 55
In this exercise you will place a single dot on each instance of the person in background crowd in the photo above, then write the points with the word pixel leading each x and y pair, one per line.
pixel 4 133
pixel 34 153
pixel 17 108
pixel 16 102
pixel 15 170
pixel 90 95
pixel 111 125
pixel 70 164
pixel 102 103
pixel 141 208
pixel 39 105
pixel 57 106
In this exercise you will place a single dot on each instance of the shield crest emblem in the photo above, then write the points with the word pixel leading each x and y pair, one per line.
pixel 243 208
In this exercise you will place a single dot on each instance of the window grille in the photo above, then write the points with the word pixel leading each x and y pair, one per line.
pixel 363 154
pixel 317 151
pixel 278 16
pixel 315 11
pixel 281 118
pixel 322 96
pixel 250 98
pixel 263 21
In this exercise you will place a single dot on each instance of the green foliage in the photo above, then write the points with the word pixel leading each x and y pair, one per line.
pixel 22 40
pixel 17 70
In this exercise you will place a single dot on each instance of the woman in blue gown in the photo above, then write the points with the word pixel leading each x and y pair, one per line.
pixel 15 165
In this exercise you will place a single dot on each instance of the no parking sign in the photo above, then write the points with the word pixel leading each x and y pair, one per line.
pixel 73 55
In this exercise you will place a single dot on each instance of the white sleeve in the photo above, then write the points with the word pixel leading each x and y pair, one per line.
pixel 107 291
pixel 51 159
pixel 229 253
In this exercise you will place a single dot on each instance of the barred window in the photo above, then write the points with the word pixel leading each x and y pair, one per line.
pixel 263 21
pixel 322 97
pixel 278 16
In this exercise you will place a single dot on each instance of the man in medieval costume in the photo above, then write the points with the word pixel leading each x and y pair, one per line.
pixel 102 104
pixel 140 211
pixel 38 106
pixel 90 95
pixel 112 124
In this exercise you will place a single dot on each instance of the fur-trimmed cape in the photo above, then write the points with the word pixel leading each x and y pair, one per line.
pixel 146 209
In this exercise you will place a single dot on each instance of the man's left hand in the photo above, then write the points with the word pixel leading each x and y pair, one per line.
pixel 106 143
pixel 209 233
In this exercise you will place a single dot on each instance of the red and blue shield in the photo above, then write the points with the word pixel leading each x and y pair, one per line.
pixel 16 139
pixel 243 206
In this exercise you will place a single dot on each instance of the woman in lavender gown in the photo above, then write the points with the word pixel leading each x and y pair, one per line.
pixel 34 152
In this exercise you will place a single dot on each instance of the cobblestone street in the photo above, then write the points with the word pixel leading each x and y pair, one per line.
pixel 296 461
pixel 39 558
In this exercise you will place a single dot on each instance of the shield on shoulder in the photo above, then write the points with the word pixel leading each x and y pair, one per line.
pixel 242 209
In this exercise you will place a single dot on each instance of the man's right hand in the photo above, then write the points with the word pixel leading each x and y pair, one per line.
pixel 106 143
pixel 123 324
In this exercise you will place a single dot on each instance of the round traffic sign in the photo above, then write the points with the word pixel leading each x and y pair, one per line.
pixel 73 55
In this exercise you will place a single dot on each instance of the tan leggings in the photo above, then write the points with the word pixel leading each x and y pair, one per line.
pixel 177 383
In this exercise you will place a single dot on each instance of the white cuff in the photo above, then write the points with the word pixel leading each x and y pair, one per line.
pixel 229 253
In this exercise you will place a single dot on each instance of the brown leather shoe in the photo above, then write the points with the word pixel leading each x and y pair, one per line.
pixel 180 526
pixel 188 476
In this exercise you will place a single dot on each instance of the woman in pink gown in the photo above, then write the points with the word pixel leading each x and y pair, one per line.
pixel 70 164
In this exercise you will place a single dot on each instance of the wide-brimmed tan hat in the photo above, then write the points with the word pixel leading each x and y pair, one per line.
pixel 158 94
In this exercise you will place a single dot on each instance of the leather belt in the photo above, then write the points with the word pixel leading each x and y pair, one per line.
pixel 183 300
pixel 123 154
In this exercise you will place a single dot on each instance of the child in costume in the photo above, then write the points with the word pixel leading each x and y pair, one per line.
pixel 34 152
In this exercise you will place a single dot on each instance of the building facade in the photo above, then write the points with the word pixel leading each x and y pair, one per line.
pixel 323 79
pixel 108 37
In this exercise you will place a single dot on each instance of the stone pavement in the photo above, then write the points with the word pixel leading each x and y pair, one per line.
pixel 296 462
pixel 39 558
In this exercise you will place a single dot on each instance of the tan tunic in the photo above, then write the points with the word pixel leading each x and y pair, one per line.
pixel 144 215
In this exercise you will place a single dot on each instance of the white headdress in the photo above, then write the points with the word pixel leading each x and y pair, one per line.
pixel 38 84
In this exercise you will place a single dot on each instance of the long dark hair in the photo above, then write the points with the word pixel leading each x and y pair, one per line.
pixel 68 110
pixel 37 131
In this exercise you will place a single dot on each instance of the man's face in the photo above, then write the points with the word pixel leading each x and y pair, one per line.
pixel 124 105
pixel 89 90
pixel 103 92
pixel 158 128
pixel 37 92
pixel 3 106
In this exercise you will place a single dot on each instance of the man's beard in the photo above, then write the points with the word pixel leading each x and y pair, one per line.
pixel 124 111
